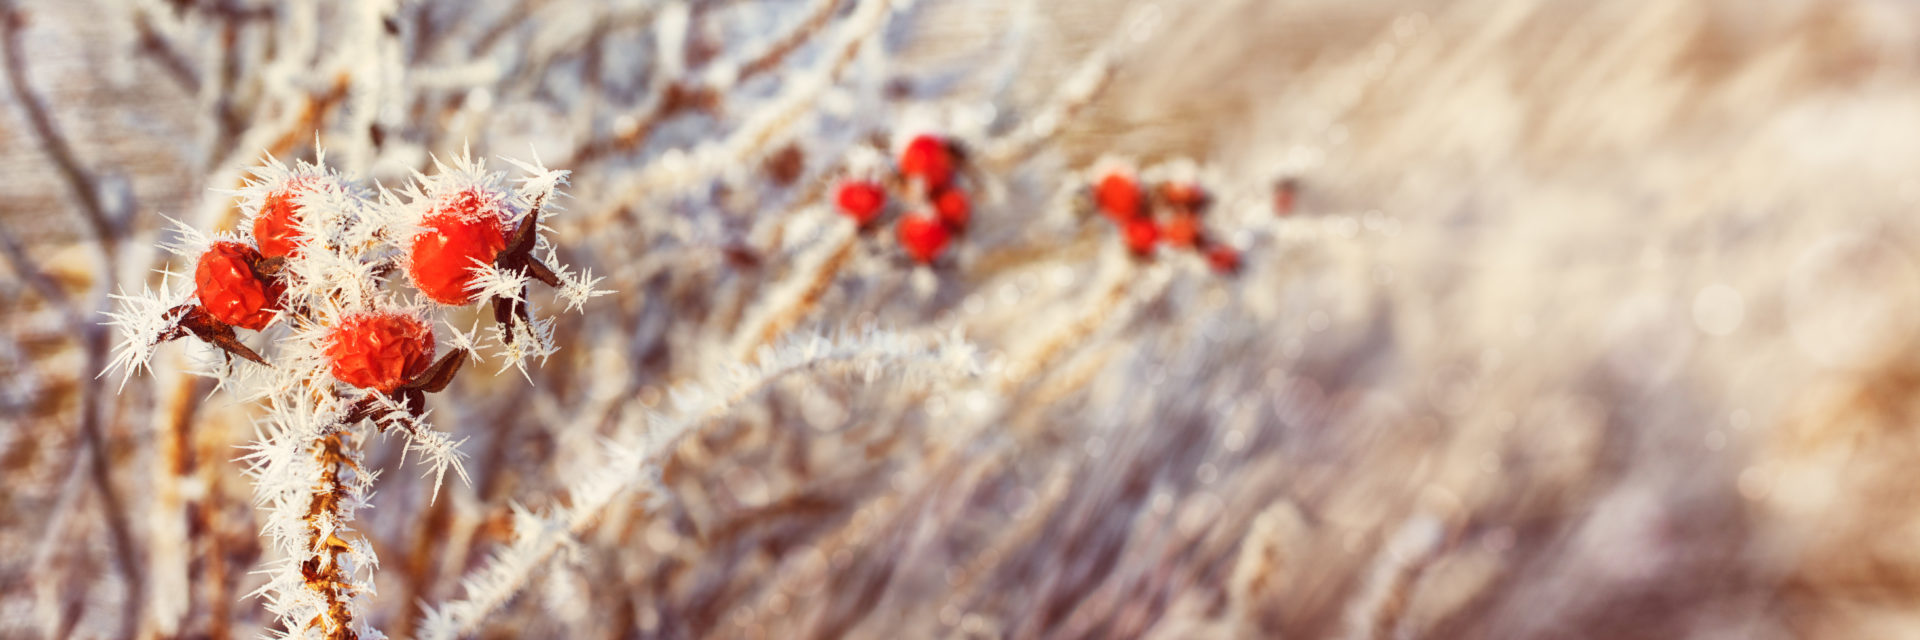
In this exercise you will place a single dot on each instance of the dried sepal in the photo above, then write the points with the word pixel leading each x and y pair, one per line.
pixel 145 321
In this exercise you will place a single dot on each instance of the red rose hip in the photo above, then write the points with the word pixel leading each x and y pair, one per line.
pixel 231 291
pixel 1182 230
pixel 923 236
pixel 953 207
pixel 929 158
pixel 455 238
pixel 277 228
pixel 1183 196
pixel 1224 259
pixel 860 200
pixel 1141 234
pixel 379 351
pixel 1119 197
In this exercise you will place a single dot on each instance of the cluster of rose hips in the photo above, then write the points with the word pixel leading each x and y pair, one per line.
pixel 451 235
pixel 1119 196
pixel 928 173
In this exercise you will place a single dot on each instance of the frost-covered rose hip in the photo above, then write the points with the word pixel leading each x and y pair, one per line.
pixel 231 290
pixel 1223 258
pixel 379 351
pixel 929 158
pixel 1182 230
pixel 860 200
pixel 1141 234
pixel 1118 195
pixel 277 228
pixel 458 235
pixel 923 236
pixel 953 207
pixel 1183 196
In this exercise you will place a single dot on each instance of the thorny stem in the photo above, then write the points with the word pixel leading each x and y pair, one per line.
pixel 323 573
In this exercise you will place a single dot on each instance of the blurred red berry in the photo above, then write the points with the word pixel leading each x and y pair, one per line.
pixel 860 200
pixel 1284 196
pixel 1141 234
pixel 379 351
pixel 466 230
pixel 1119 197
pixel 1182 230
pixel 954 208
pixel 923 236
pixel 277 228
pixel 1184 196
pixel 929 158
pixel 231 291
pixel 1224 259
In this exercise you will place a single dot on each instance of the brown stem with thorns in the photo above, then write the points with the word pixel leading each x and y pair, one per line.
pixel 322 572
pixel 518 256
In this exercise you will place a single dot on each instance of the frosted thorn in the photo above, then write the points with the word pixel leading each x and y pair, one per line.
pixel 211 331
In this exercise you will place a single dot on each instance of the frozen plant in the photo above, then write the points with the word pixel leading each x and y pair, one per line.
pixel 313 277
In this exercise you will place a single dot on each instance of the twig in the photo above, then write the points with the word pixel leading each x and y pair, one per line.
pixel 1125 289
pixel 789 308
pixel 30 273
pixel 164 52
pixel 57 518
pixel 125 553
pixel 758 129
pixel 693 92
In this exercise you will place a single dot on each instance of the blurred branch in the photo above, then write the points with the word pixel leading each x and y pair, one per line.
pixel 637 467
pixel 107 233
pixel 694 92
pixel 166 53
pixel 94 338
pixel 30 273
pixel 761 128
pixel 55 534
pixel 78 178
